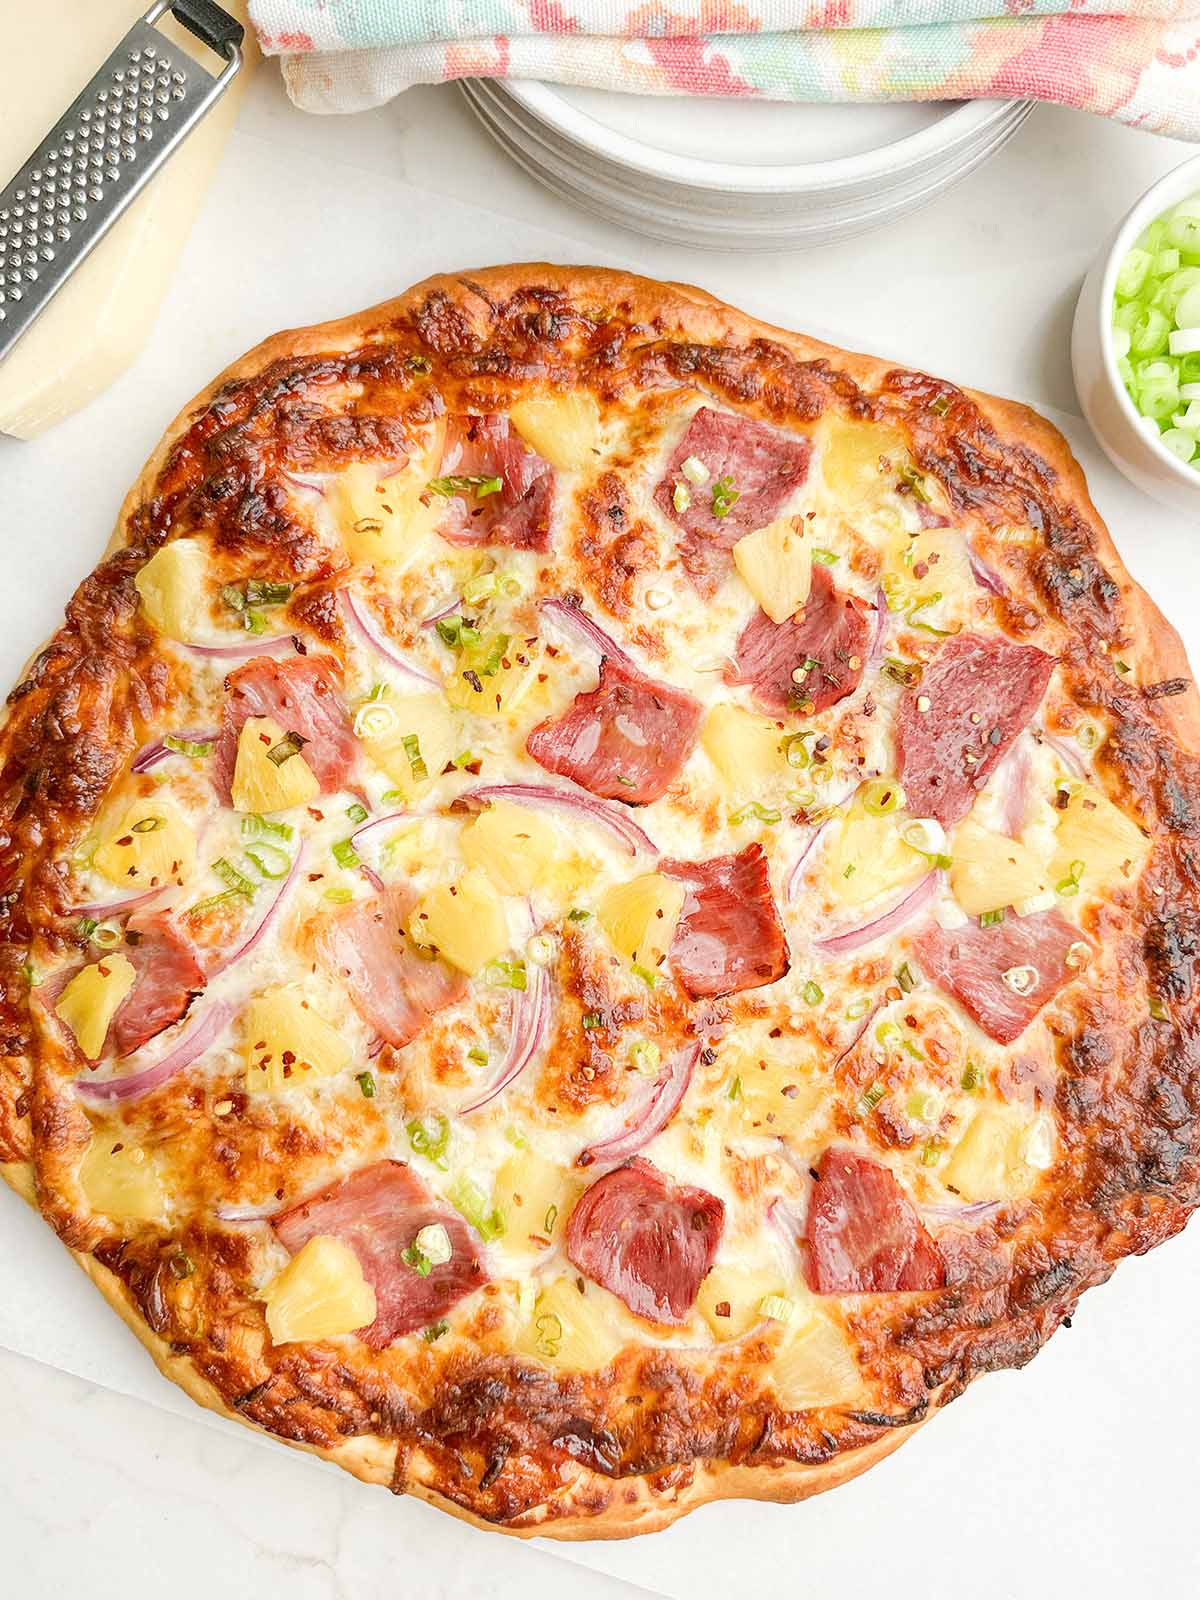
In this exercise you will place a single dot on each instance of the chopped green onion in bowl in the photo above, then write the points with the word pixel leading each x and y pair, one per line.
pixel 1156 329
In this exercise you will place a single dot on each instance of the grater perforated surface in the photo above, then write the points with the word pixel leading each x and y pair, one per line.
pixel 133 114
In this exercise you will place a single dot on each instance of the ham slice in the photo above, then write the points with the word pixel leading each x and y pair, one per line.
pixel 863 1233
pixel 377 1212
pixel 826 643
pixel 954 727
pixel 761 464
pixel 729 936
pixel 301 695
pixel 1001 975
pixel 168 977
pixel 626 739
pixel 393 987
pixel 519 513
pixel 647 1239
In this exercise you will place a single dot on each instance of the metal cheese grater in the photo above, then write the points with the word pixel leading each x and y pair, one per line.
pixel 132 116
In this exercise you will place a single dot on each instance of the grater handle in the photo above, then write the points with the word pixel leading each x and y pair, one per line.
pixel 133 115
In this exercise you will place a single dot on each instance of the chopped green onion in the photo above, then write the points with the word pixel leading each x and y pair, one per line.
pixel 592 1020
pixel 869 1099
pixel 916 483
pixel 457 632
pixel 940 406
pixel 724 496
pixel 366 1083
pixel 973 1077
pixel 695 471
pixel 753 810
pixel 259 592
pixel 191 748
pixel 412 1257
pixel 479 486
pixel 990 919
pixel 149 824
pixel 339 897
pixel 777 1308
pixel 468 1198
pixel 411 745
pixel 478 1055
pixel 436 1329
pixel 652 980
pixel 232 878
pixel 905 672
pixel 681 497
pixel 429 1136
pixel 86 926
pixel 882 796
pixel 481 587
pixel 434 1244
pixel 857 1009
pixel 1158 1009
pixel 1070 884
pixel 356 812
pixel 270 860
pixel 813 993
pixel 931 1153
pixel 795 751
pixel 495 657
pixel 505 974
pixel 923 1105
pixel 345 855
pixel 233 597
pixel 906 977
pixel 827 558
pixel 290 745
pixel 579 915
pixel 734 1092
pixel 646 1056
pixel 549 1334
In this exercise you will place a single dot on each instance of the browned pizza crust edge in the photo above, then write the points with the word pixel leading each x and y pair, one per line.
pixel 703 319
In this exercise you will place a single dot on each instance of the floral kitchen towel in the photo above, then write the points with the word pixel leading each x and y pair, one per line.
pixel 1138 61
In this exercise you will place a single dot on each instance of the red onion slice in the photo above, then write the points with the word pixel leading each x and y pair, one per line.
pixel 368 828
pixel 361 619
pixel 605 813
pixel 247 1213
pixel 574 620
pixel 864 1022
pixel 192 1044
pixel 796 875
pixel 967 1211
pixel 265 920
pixel 151 754
pixel 303 480
pixel 788 1225
pixel 985 576
pixel 841 943
pixel 530 1020
pixel 1016 776
pixel 117 908
pixel 432 622
pixel 651 1117
pixel 281 645
pixel 878 630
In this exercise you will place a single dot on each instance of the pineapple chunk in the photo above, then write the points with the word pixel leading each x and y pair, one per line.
pixel 536 1197
pixel 572 1331
pixel 391 521
pixel 262 785
pixel 151 845
pixel 124 1182
pixel 562 428
pixel 1001 1154
pixel 495 677
pixel 412 738
pixel 768 1092
pixel 815 1365
pixel 88 1003
pixel 730 1299
pixel 512 844
pixel 173 585
pixel 285 1042
pixel 920 565
pixel 776 567
pixel 868 858
pixel 462 921
pixel 745 749
pixel 991 871
pixel 640 917
pixel 319 1294
pixel 853 458
pixel 1093 831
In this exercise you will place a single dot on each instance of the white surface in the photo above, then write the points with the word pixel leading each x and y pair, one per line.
pixel 1103 398
pixel 771 133
pixel 1073 1476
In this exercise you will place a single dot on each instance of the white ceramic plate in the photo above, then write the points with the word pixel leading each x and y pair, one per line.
pixel 799 174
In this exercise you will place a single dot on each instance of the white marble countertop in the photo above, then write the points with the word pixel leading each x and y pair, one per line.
pixel 104 1494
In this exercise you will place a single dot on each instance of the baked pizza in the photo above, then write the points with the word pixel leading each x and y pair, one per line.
pixel 599 901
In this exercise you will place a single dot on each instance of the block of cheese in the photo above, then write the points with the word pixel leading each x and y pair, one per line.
pixel 98 321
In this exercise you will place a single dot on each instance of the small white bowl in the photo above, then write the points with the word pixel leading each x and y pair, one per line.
pixel 1114 419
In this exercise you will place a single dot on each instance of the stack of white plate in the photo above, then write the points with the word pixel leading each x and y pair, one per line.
pixel 740 174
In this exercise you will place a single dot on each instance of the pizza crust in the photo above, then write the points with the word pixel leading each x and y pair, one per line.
pixel 630 1506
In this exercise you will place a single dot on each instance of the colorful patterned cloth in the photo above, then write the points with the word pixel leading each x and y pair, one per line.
pixel 1140 64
